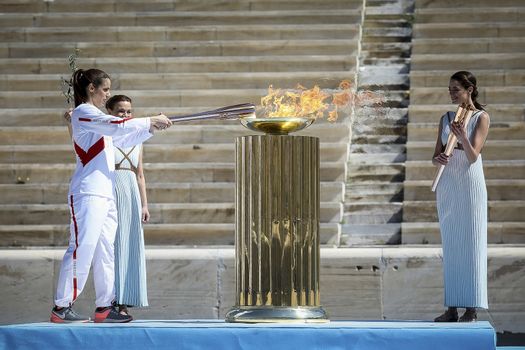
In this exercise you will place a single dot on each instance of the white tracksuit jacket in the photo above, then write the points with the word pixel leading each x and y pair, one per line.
pixel 92 206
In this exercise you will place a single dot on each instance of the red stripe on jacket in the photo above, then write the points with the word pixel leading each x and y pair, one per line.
pixel 120 121
pixel 75 285
pixel 93 151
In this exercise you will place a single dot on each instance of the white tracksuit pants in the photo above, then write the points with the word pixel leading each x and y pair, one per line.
pixel 93 229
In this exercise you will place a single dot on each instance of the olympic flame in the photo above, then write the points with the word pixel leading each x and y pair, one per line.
pixel 314 102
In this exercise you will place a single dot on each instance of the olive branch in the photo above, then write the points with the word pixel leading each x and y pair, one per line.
pixel 66 85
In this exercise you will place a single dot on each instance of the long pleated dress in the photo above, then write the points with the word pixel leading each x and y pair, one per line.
pixel 462 211
pixel 130 260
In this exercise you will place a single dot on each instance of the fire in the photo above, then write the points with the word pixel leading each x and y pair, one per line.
pixel 315 102
pixel 311 103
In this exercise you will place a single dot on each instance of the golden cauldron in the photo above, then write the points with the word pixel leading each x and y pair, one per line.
pixel 276 126
pixel 277 224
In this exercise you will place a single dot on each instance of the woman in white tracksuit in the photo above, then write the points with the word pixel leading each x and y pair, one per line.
pixel 91 202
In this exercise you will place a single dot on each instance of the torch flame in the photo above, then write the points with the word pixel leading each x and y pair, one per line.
pixel 311 103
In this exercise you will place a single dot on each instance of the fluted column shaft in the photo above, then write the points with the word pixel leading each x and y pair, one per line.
pixel 277 221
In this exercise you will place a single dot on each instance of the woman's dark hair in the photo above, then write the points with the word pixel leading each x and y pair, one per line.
pixel 81 80
pixel 113 100
pixel 467 79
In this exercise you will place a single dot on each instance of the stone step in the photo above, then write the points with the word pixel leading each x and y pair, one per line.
pixel 473 14
pixel 365 138
pixel 390 5
pixel 231 65
pixel 498 211
pixel 467 30
pixel 376 130
pixel 372 75
pixel 144 98
pixel 384 37
pixel 465 6
pixel 166 213
pixel 374 191
pixel 180 18
pixel 372 33
pixel 377 148
pixel 497 190
pixel 154 234
pixel 385 172
pixel 376 158
pixel 485 77
pixel 373 213
pixel 388 84
pixel 204 152
pixel 365 116
pixel 494 94
pixel 428 233
pixel 454 62
pixel 204 80
pixel 391 69
pixel 385 98
pixel 493 169
pixel 158 192
pixel 384 17
pixel 388 91
pixel 43 117
pixel 426 113
pixel 467 45
pixel 498 131
pixel 28 173
pixel 386 50
pixel 377 20
pixel 178 134
pixel 170 5
pixel 259 47
pixel 381 61
pixel 493 150
pixel 370 234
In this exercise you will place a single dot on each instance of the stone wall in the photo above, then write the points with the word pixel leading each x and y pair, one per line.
pixel 392 283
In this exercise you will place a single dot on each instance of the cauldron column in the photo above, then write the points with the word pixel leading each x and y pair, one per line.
pixel 277 229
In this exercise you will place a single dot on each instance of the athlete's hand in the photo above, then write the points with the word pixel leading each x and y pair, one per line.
pixel 442 159
pixel 67 115
pixel 458 129
pixel 160 122
pixel 145 214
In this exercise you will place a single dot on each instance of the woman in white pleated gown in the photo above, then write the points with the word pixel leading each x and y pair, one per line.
pixel 461 197
pixel 132 209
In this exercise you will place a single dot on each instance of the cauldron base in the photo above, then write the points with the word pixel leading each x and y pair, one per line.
pixel 270 314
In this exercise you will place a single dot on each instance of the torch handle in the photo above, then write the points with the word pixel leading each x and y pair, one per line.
pixel 451 144
pixel 437 177
pixel 229 112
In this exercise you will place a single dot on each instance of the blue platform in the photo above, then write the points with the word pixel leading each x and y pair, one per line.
pixel 214 334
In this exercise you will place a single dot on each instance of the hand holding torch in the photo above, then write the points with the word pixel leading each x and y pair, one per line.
pixel 463 115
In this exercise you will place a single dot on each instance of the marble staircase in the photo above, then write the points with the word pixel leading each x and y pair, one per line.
pixel 176 57
pixel 373 205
